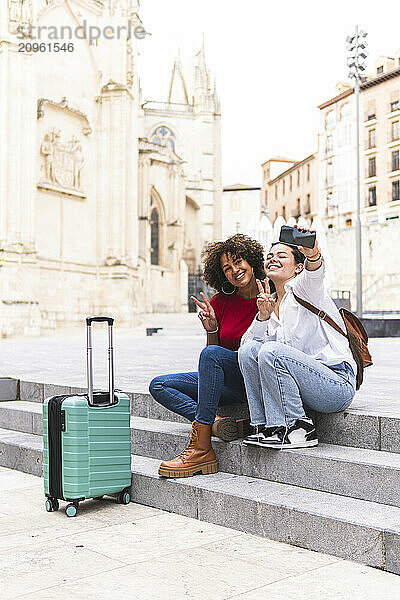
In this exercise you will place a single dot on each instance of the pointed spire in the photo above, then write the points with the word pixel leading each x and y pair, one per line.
pixel 177 88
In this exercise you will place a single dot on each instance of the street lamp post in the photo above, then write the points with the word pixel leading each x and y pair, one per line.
pixel 356 46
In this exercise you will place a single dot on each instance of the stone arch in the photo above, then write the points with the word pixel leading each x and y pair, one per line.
pixel 191 249
pixel 277 226
pixel 157 220
pixel 265 232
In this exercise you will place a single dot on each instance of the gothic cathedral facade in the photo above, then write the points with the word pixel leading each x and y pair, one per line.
pixel 106 199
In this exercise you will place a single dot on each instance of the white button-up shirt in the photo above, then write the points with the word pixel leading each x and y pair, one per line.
pixel 299 327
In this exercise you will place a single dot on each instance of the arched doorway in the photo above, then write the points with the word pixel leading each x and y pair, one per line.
pixel 155 236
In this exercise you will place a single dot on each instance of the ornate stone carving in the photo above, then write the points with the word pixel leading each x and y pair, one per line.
pixel 87 130
pixel 62 162
pixel 19 14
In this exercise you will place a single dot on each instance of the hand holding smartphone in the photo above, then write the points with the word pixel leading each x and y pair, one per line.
pixel 296 236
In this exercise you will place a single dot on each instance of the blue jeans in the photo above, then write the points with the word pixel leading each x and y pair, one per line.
pixel 279 379
pixel 196 395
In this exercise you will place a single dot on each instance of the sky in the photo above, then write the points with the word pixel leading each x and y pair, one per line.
pixel 274 62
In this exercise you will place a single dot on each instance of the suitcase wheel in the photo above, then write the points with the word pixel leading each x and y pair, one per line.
pixel 51 504
pixel 124 497
pixel 71 510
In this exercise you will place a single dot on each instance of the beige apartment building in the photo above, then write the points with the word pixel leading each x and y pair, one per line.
pixel 380 176
pixel 289 188
pixel 381 124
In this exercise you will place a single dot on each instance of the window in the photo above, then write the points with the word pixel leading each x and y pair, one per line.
pixel 379 69
pixel 349 222
pixel 276 191
pixel 372 196
pixel 329 173
pixel 298 207
pixel 329 144
pixel 155 237
pixel 396 190
pixel 290 183
pixel 394 105
pixel 283 186
pixel 372 167
pixel 395 160
pixel 345 111
pixel 308 172
pixel 284 212
pixel 330 226
pixel 371 116
pixel 395 130
pixel 308 205
pixel 372 138
pixel 330 119
pixel 266 196
pixel 163 136
pixel 298 177
pixel 330 207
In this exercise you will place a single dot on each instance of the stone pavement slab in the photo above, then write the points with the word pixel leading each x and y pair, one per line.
pixel 61 359
pixel 142 553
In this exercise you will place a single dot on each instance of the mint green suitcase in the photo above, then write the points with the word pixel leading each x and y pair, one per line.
pixel 87 440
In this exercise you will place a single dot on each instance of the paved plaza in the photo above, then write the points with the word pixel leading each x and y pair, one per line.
pixel 61 359
pixel 141 553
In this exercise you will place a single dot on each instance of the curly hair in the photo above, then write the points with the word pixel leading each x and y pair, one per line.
pixel 236 246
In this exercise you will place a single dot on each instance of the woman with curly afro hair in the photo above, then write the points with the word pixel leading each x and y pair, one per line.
pixel 231 268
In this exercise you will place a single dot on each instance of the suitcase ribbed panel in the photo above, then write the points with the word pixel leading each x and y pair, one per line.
pixel 96 448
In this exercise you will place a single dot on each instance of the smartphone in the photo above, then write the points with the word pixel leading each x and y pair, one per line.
pixel 297 237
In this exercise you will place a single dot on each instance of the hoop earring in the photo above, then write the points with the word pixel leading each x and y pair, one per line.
pixel 231 284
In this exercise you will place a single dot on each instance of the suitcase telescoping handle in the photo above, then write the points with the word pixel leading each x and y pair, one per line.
pixel 110 322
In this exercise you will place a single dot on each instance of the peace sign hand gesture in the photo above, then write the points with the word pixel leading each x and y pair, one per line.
pixel 265 301
pixel 206 314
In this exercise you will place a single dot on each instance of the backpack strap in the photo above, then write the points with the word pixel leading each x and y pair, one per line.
pixel 320 313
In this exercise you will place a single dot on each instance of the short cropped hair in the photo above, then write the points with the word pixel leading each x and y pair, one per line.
pixel 236 246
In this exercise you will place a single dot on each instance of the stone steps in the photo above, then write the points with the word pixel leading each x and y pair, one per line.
pixel 353 427
pixel 361 473
pixel 370 475
pixel 354 529
pixel 340 497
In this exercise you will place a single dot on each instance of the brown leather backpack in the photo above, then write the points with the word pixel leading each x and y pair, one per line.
pixel 356 334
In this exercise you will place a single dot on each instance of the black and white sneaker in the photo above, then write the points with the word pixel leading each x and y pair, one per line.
pixel 301 434
pixel 261 433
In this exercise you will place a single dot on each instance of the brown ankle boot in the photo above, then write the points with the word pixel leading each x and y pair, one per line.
pixel 230 428
pixel 197 457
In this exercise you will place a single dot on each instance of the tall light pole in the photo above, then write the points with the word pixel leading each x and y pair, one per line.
pixel 356 47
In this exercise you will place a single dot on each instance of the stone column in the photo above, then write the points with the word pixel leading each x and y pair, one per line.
pixel 118 156
pixel 17 148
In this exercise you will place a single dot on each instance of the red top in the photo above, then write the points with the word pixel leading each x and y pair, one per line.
pixel 234 315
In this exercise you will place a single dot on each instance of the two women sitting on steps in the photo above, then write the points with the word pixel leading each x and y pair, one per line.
pixel 289 357
pixel 230 267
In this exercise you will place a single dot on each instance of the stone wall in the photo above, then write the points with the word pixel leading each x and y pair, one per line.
pixel 381 273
